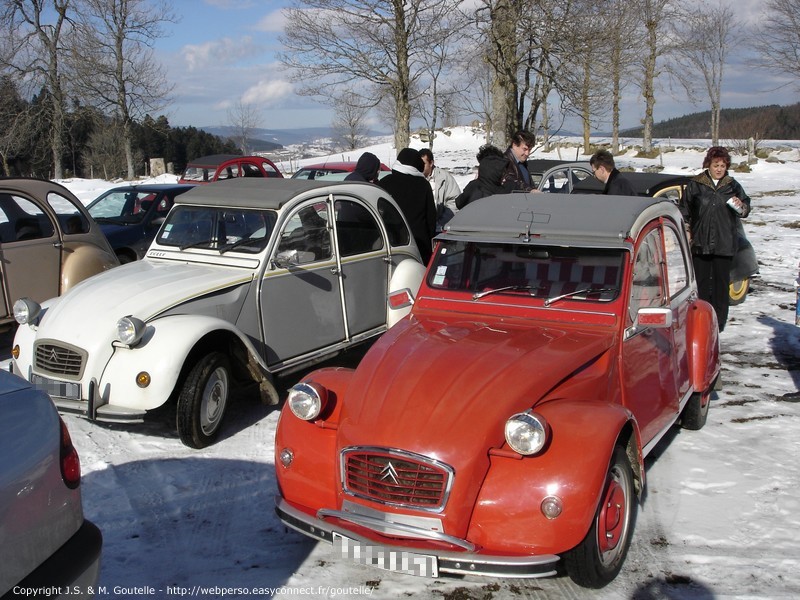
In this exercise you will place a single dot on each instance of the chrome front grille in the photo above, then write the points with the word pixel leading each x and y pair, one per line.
pixel 396 477
pixel 59 359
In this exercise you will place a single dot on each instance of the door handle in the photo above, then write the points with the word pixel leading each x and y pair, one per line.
pixel 335 270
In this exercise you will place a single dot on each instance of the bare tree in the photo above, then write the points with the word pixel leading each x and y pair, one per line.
pixel 104 156
pixel 33 50
pixel 113 56
pixel 349 123
pixel 777 38
pixel 16 123
pixel 377 48
pixel 623 43
pixel 706 34
pixel 243 118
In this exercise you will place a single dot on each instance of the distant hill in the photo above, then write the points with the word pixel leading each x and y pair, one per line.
pixel 265 140
pixel 770 122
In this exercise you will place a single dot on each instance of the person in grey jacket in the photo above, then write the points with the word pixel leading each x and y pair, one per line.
pixel 445 189
pixel 711 205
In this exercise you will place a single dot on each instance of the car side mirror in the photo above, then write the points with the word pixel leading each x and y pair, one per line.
pixel 291 258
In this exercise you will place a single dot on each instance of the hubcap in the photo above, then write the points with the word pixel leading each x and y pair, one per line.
pixel 215 395
pixel 612 522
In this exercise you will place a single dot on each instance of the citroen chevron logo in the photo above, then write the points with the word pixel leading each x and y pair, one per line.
pixel 53 355
pixel 390 473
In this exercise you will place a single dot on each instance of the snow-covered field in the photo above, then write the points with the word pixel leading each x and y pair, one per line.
pixel 721 517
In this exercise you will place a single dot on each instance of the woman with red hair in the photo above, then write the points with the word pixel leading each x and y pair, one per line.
pixel 711 204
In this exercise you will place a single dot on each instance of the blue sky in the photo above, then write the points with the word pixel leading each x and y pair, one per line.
pixel 224 51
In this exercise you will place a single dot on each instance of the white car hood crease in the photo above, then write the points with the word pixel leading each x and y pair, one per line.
pixel 142 289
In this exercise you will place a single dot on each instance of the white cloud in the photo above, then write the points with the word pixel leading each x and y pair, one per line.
pixel 219 52
pixel 267 92
pixel 272 22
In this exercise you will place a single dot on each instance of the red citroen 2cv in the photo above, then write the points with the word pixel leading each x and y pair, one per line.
pixel 501 428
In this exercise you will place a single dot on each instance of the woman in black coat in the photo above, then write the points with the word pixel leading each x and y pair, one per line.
pixel 711 205
pixel 491 169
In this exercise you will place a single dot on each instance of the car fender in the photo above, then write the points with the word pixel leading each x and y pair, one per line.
pixel 407 275
pixel 312 479
pixel 573 467
pixel 162 354
pixel 81 261
pixel 703 335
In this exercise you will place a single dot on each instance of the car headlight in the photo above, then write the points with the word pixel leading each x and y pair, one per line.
pixel 307 400
pixel 26 311
pixel 130 330
pixel 526 433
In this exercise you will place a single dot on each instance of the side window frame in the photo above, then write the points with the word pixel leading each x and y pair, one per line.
pixel 641 294
pixel 302 240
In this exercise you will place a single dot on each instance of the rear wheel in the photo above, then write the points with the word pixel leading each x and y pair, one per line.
pixel 202 400
pixel 737 291
pixel 695 412
pixel 598 558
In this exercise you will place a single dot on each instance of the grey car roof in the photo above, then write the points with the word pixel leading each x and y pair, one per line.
pixel 258 192
pixel 588 220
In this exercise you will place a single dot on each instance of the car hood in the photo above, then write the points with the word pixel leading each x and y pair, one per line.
pixel 444 388
pixel 143 289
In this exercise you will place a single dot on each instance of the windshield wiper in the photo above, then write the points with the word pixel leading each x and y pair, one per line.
pixel 237 243
pixel 207 242
pixel 479 295
pixel 586 291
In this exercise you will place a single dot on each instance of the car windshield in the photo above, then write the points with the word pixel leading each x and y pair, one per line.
pixel 122 206
pixel 196 174
pixel 549 272
pixel 218 228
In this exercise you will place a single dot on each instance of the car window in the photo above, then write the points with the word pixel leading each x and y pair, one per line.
pixel 538 271
pixel 647 286
pixel 306 235
pixel 195 174
pixel 218 228
pixel 122 206
pixel 249 170
pixel 556 182
pixel 26 220
pixel 357 231
pixel 395 225
pixel 228 172
pixel 677 274
pixel 270 170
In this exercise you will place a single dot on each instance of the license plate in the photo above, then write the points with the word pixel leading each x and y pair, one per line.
pixel 57 389
pixel 410 563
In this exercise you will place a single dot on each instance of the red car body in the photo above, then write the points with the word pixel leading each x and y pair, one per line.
pixel 219 167
pixel 576 316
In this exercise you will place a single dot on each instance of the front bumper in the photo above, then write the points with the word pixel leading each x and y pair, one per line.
pixel 445 562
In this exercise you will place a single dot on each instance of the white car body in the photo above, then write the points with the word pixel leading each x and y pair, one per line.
pixel 312 281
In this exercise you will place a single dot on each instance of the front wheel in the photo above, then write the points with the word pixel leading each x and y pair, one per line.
pixel 202 400
pixel 695 412
pixel 598 559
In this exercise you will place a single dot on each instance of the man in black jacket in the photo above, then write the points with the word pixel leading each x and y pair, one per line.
pixel 603 167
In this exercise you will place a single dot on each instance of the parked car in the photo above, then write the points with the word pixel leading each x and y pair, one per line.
pixel 576 178
pixel 501 428
pixel 220 167
pixel 45 541
pixel 244 281
pixel 130 215
pixel 326 169
pixel 46 230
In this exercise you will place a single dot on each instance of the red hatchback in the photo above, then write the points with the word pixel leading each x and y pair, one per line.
pixel 218 167
pixel 502 426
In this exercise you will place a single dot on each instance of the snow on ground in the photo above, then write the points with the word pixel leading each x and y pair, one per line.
pixel 721 517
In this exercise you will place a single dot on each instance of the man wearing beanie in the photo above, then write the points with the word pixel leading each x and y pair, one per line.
pixel 413 194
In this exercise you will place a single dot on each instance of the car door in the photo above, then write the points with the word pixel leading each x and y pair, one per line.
pixel 301 300
pixel 365 265
pixel 648 377
pixel 30 250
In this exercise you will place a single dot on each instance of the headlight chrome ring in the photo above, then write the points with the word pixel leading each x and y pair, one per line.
pixel 307 400
pixel 526 433
pixel 130 330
